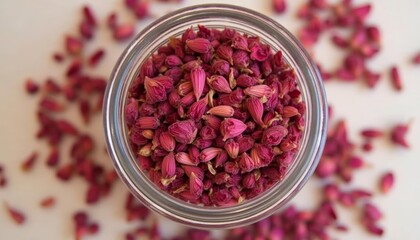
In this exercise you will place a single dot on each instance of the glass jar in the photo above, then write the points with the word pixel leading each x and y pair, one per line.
pixel 245 21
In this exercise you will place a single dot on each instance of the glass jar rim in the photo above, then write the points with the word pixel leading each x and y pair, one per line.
pixel 215 217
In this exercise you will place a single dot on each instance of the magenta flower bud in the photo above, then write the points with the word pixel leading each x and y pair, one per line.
pixel 249 181
pixel 194 153
pixel 219 84
pixel 208 133
pixel 173 61
pixel 198 80
pixel 239 42
pixel 168 165
pixel 386 182
pixel 193 169
pixel 237 96
pixel 231 127
pixel 199 45
pixel 260 52
pixel 220 67
pixel 287 145
pixel 155 91
pixel 148 134
pixel 221 178
pixel 244 80
pixel 245 143
pixel 231 167
pixel 246 164
pixel 197 109
pixel 131 112
pixel 165 108
pixel 175 73
pixel 290 111
pixel 166 81
pixel 174 98
pixel 183 131
pixel 137 137
pixel 201 143
pixel 196 185
pixel 274 135
pixel 184 158
pixel 147 69
pixel 184 88
pixel 265 153
pixel 221 111
pixel 221 158
pixel 266 68
pixel 209 153
pixel 232 148
pixel 256 158
pixel 259 91
pixel 213 121
pixel 146 109
pixel 225 52
pixel 147 123
pixel 166 141
pixel 240 59
pixel 256 109
pixel 146 150
pixel 277 61
pixel 187 100
pixel 190 65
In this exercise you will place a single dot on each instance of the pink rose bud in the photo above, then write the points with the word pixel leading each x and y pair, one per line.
pixel 274 135
pixel 260 52
pixel 256 109
pixel 279 6
pixel 277 61
pixel 166 141
pixel 265 153
pixel 146 150
pixel 132 112
pixel 221 111
pixel 219 84
pixel 245 143
pixel 147 123
pixel 225 52
pixel 187 100
pixel 190 65
pixel 194 153
pixel 249 181
pixel 155 91
pixel 168 165
pixel 221 159
pixel 173 61
pixel 198 80
pixel 197 109
pixel 246 164
pixel 184 88
pixel 208 133
pixel 232 148
pixel 239 42
pixel 220 67
pixel 212 121
pixel 290 111
pixel 240 59
pixel 174 98
pixel 193 169
pixel 199 45
pixel 183 131
pixel 266 67
pixel 398 135
pixel 232 127
pixel 244 80
pixel 371 212
pixel 256 158
pixel 209 153
pixel 148 134
pixel 387 182
pixel 184 158
pixel 196 185
pixel 259 91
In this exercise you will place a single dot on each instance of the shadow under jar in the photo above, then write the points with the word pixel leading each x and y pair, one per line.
pixel 217 16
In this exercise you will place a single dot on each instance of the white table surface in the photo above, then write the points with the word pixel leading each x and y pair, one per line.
pixel 31 30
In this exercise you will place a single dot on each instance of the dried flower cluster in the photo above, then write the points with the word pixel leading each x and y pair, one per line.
pixel 215 117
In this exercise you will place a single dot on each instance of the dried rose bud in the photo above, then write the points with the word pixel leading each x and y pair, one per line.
pixel 396 79
pixel 239 42
pixel 146 150
pixel 221 158
pixel 220 67
pixel 131 112
pixel 248 181
pixel 256 109
pixel 279 6
pixel 184 88
pixel 184 158
pixel 155 90
pixel 209 153
pixel 386 182
pixel 208 133
pixel 166 141
pixel 231 127
pixel 240 59
pixel 290 111
pixel 246 164
pixel 197 109
pixel 196 185
pixel 198 80
pixel 183 131
pixel 398 135
pixel 173 61
pixel 147 123
pixel 213 121
pixel 199 45
pixel 259 91
pixel 232 148
pixel 274 135
pixel 168 165
pixel 221 111
pixel 260 53
pixel 244 80
pixel 225 52
pixel 219 84
pixel 371 212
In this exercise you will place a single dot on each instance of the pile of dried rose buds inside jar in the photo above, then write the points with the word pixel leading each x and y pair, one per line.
pixel 215 116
